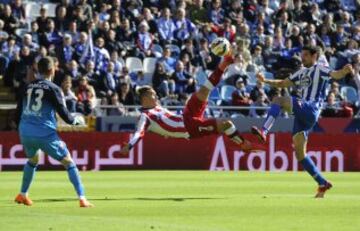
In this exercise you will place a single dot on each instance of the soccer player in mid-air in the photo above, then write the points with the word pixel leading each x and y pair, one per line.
pixel 37 128
pixel 310 83
pixel 192 123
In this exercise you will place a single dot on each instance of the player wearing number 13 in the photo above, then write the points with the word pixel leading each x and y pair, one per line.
pixel 37 129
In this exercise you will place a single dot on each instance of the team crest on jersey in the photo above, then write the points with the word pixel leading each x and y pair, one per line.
pixel 305 81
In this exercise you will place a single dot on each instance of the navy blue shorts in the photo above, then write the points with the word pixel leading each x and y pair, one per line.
pixel 306 115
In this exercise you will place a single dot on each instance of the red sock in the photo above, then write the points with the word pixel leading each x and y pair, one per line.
pixel 215 77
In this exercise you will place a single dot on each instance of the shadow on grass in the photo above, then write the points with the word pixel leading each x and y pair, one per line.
pixel 177 199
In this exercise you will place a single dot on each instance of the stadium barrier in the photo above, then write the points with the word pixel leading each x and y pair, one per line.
pixel 100 151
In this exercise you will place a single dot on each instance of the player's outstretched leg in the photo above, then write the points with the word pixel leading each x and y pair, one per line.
pixel 300 143
pixel 228 128
pixel 74 178
pixel 277 105
pixel 28 175
pixel 214 79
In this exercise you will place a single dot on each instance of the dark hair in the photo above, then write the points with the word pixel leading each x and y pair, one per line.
pixel 143 91
pixel 312 49
pixel 45 65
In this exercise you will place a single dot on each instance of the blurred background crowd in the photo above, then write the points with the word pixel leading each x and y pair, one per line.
pixel 104 49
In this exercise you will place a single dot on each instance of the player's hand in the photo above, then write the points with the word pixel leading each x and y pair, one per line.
pixel 125 149
pixel 260 77
pixel 79 121
pixel 348 69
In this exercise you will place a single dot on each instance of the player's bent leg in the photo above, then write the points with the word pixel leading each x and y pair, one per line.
pixel 300 142
pixel 74 178
pixel 278 104
pixel 28 176
pixel 228 128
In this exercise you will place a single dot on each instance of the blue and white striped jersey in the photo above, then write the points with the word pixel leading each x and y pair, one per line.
pixel 311 82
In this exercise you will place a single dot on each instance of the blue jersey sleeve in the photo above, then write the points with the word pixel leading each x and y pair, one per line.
pixel 60 106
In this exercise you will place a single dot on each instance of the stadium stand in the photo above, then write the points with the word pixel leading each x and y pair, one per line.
pixel 93 38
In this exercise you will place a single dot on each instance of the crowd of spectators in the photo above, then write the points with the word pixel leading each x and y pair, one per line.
pixel 91 40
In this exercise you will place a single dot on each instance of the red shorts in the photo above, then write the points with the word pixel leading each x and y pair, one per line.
pixel 194 120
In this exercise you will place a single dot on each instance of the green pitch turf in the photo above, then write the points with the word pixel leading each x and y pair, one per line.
pixel 183 201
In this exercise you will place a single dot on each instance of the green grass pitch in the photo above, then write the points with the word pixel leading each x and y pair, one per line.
pixel 182 201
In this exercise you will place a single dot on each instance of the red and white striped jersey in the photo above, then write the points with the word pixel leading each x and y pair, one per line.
pixel 160 121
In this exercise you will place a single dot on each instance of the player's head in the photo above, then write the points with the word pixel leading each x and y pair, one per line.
pixel 310 55
pixel 46 67
pixel 147 96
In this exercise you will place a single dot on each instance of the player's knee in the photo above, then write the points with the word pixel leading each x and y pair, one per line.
pixel 67 161
pixel 34 160
pixel 226 126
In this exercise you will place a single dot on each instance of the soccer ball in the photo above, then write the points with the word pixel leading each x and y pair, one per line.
pixel 220 46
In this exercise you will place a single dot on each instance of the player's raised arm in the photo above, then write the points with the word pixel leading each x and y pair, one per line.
pixel 275 82
pixel 339 74
pixel 142 125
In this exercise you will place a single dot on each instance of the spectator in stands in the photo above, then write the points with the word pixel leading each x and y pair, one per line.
pixel 258 90
pixel 73 31
pixel 18 11
pixel 334 108
pixel 85 94
pixel 189 67
pixel 65 52
pixel 86 9
pixel 144 41
pixel 148 18
pixel 126 95
pixel 236 12
pixel 110 81
pixel 92 77
pixel 335 89
pixel 73 72
pixel 118 108
pixel 259 37
pixel 166 27
pixel 50 37
pixel 115 20
pixel 80 45
pixel 240 97
pixel 34 32
pixel 161 81
pixel 279 40
pixel 61 21
pixel 42 20
pixel 190 49
pixel 59 72
pixel 216 13
pixel 10 21
pixel 112 45
pixel 141 80
pixel 261 101
pixel 27 41
pixel 102 55
pixel 207 33
pixel 258 59
pixel 69 95
pixel 340 38
pixel 197 12
pixel 184 27
pixel 168 61
pixel 236 71
pixel 184 82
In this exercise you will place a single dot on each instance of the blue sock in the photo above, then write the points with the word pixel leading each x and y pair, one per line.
pixel 28 175
pixel 273 112
pixel 74 177
pixel 310 167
